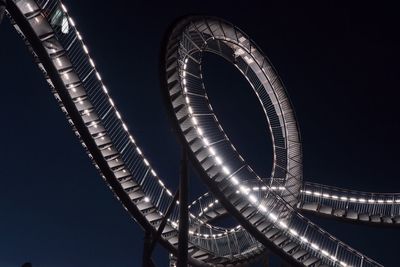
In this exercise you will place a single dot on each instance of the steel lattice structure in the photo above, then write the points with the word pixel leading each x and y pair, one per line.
pixel 267 209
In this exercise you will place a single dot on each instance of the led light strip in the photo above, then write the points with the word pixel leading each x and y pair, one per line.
pixel 349 199
pixel 243 189
pixel 218 160
pixel 111 101
pixel 224 169
pixel 147 199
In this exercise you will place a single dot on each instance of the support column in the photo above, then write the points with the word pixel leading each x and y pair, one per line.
pixel 146 249
pixel 286 264
pixel 2 9
pixel 266 259
pixel 172 260
pixel 183 213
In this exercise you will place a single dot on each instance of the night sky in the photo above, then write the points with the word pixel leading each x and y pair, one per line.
pixel 340 65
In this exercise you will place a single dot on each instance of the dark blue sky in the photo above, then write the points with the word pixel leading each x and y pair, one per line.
pixel 340 65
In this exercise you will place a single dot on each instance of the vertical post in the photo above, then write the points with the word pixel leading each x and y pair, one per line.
pixel 183 212
pixel 285 264
pixel 172 260
pixel 266 258
pixel 146 249
pixel 2 9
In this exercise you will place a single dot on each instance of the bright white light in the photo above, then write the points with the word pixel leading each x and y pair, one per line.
pixel 118 115
pixel 314 246
pixel 161 183
pixel 190 110
pixel 252 198
pixel 98 76
pixel 91 62
pixel 85 49
pixel 64 8
pixel 273 216
pixel 71 22
pixel 125 127
pixel 325 252
pixel 234 180
pixel 139 151
pixel 59 62
pixel 153 172
pixel 262 208
pixel 146 162
pixel 212 151
pixel 304 239
pixel 343 198
pixel 335 197
pixel 200 131
pixel 146 199
pixel 293 232
pixel 283 224
pixel 29 7
pixel 225 170
pixel 218 160
pixel 194 120
pixel 244 190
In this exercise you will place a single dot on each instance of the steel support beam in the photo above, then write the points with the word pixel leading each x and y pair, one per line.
pixel 150 240
pixel 2 9
pixel 266 259
pixel 147 261
pixel 183 212
pixel 163 222
pixel 74 114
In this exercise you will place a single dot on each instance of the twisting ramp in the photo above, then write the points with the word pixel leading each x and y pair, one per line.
pixel 267 209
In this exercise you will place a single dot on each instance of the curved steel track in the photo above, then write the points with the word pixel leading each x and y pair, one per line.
pixel 267 209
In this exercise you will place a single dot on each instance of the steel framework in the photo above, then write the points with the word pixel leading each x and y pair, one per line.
pixel 268 210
